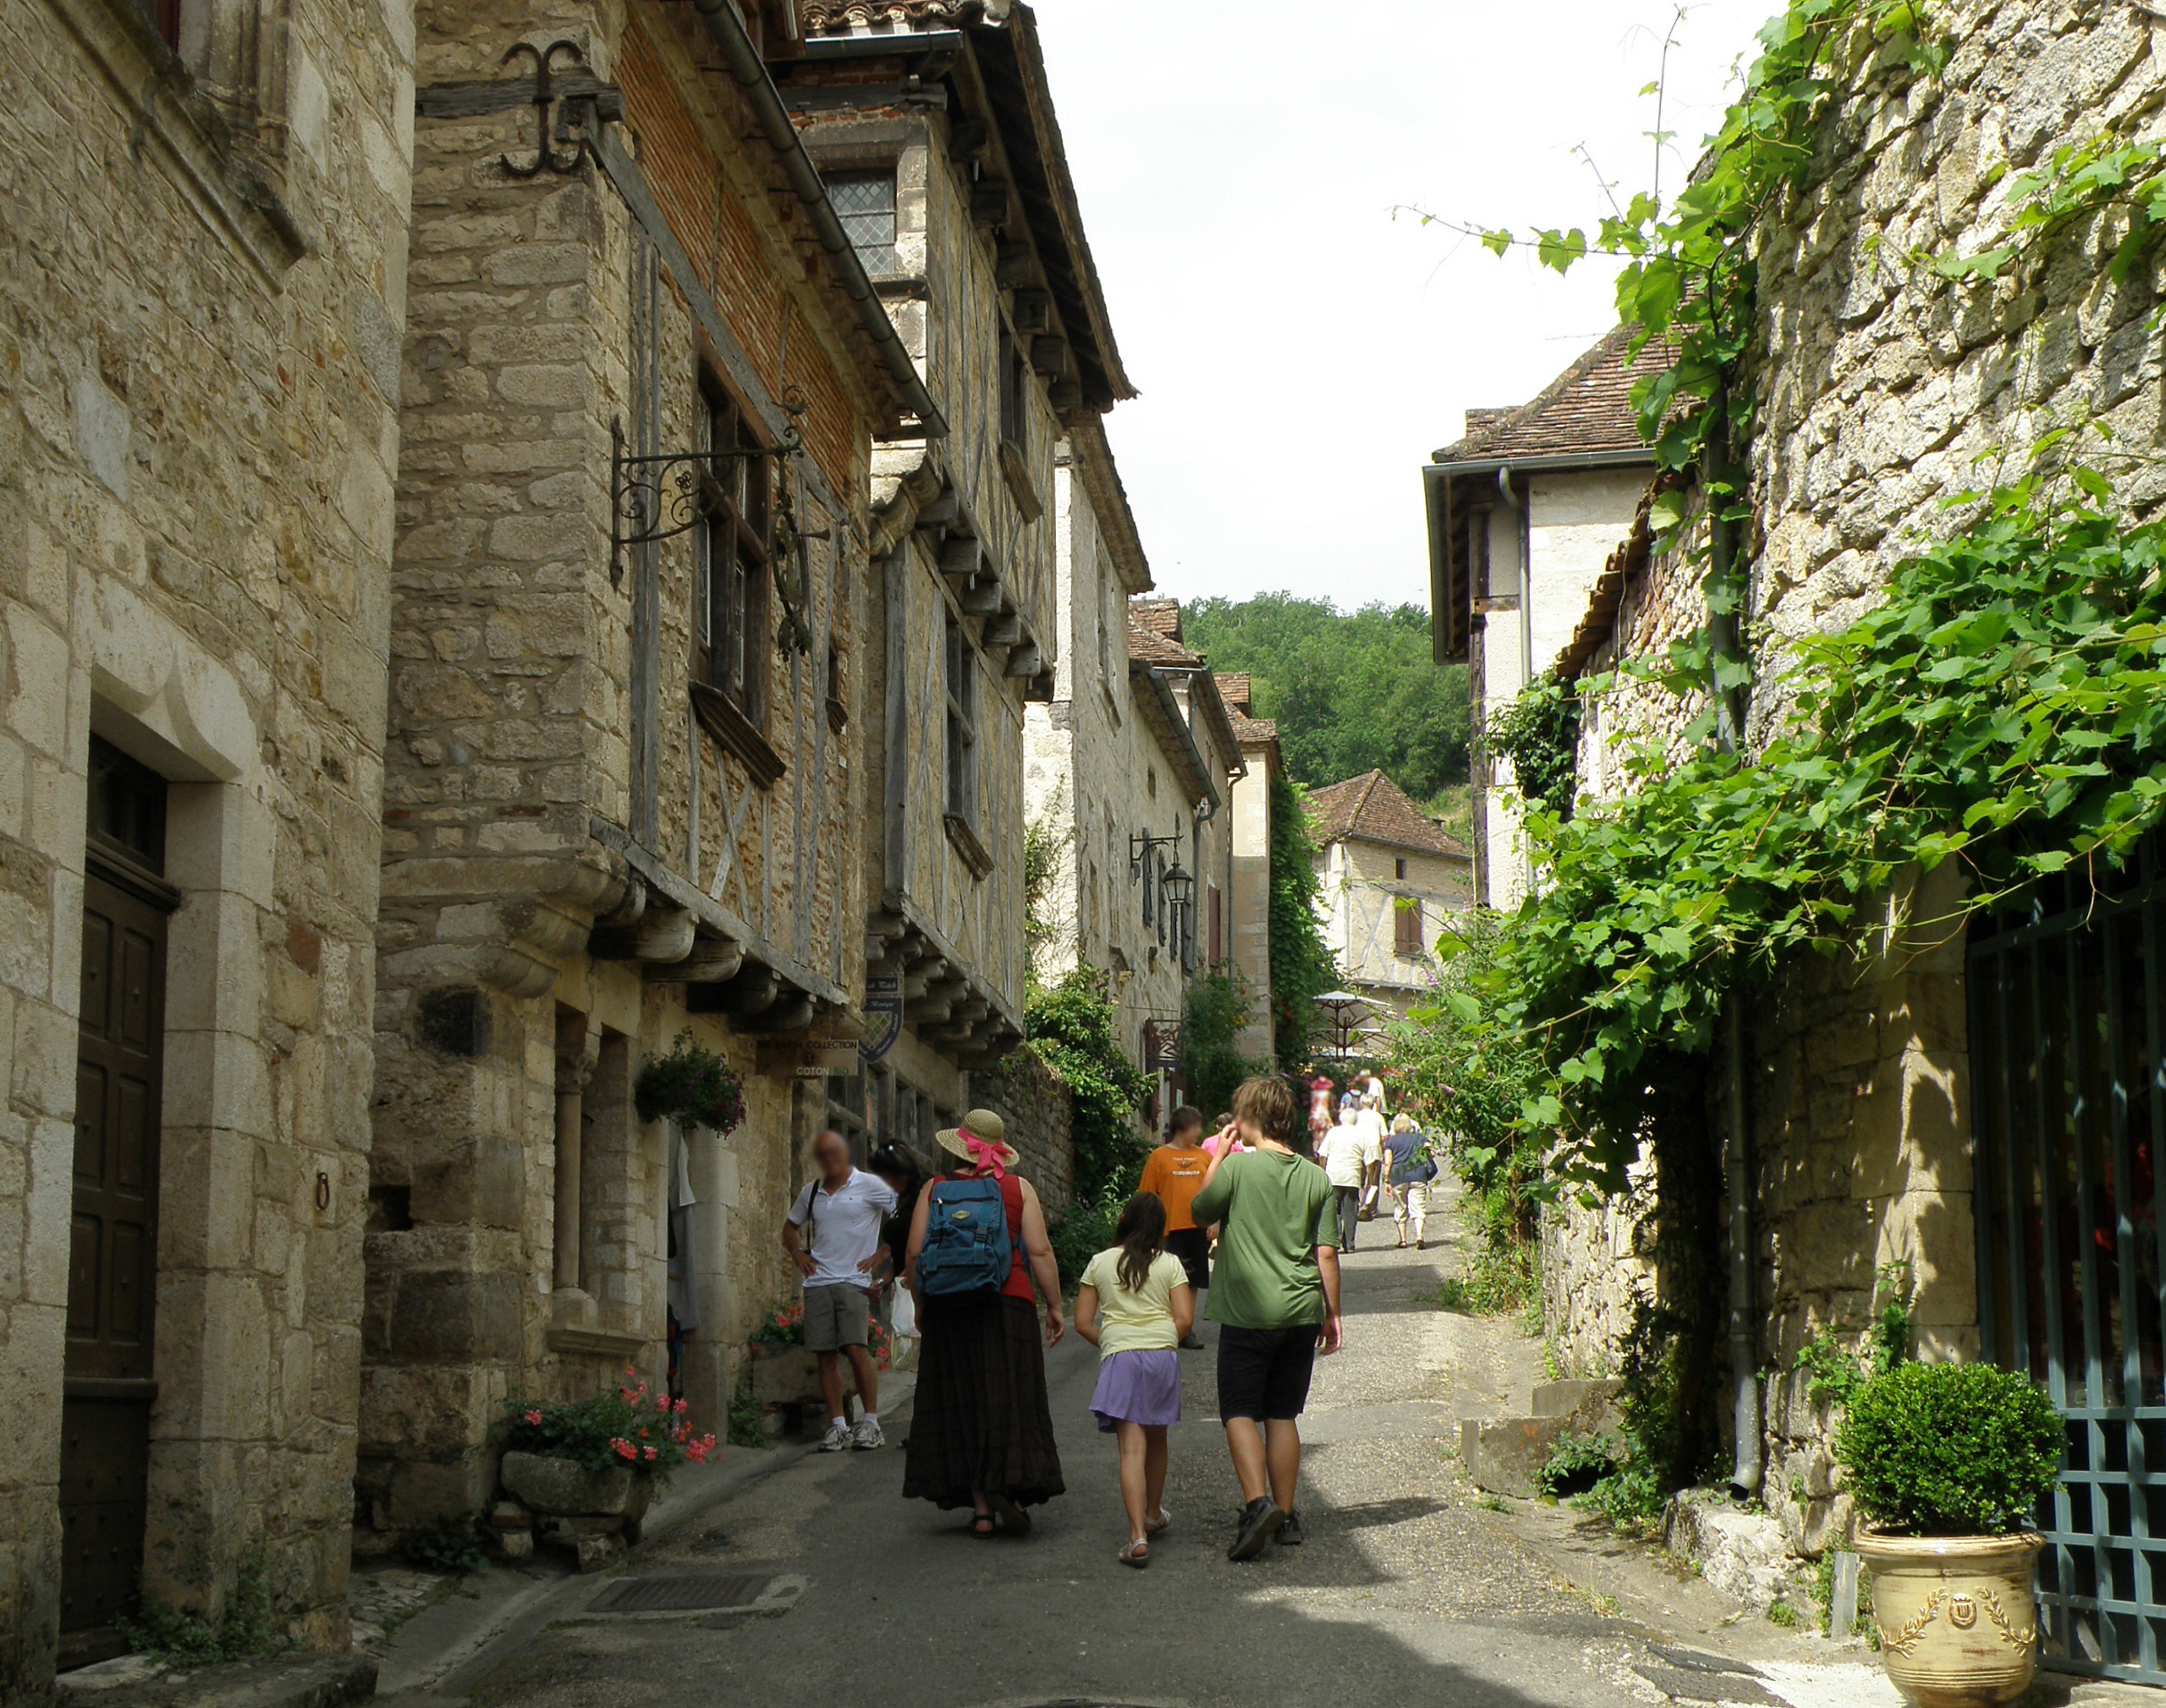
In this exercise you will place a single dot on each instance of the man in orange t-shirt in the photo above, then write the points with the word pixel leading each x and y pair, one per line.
pixel 1175 1173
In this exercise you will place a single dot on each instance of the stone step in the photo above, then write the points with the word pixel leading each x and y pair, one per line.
pixel 1505 1456
pixel 1595 1394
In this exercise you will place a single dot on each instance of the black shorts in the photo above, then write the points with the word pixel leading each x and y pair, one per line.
pixel 1263 1373
pixel 1192 1245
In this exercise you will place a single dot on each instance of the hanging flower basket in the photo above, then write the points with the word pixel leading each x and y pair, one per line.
pixel 690 1084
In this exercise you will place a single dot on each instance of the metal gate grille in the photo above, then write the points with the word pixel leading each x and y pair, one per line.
pixel 2067 1004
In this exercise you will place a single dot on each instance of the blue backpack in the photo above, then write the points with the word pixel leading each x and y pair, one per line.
pixel 967 1247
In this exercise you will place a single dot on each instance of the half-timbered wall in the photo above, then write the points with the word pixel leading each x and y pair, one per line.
pixel 581 866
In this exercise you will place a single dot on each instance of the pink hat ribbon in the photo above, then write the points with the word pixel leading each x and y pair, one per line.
pixel 983 1152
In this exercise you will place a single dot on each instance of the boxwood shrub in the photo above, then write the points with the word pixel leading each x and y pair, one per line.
pixel 1949 1449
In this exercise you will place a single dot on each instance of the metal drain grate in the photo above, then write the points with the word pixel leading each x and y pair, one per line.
pixel 703 1592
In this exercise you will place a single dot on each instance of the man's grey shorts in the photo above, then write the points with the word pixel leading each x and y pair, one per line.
pixel 836 1316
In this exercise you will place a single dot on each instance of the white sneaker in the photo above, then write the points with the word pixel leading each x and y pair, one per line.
pixel 867 1435
pixel 837 1438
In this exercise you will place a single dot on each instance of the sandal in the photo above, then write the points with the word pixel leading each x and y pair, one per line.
pixel 1165 1518
pixel 1011 1515
pixel 981 1525
pixel 1136 1554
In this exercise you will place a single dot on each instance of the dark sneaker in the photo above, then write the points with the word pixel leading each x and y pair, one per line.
pixel 1289 1533
pixel 1191 1342
pixel 1259 1523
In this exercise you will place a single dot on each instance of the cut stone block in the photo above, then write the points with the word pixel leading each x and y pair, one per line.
pixel 558 1485
pixel 1505 1456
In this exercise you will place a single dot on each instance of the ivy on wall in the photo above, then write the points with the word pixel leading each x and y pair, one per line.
pixel 2005 708
pixel 1302 968
pixel 1538 730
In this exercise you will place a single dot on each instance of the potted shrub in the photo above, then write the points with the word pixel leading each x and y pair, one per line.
pixel 783 1373
pixel 598 1457
pixel 1947 1462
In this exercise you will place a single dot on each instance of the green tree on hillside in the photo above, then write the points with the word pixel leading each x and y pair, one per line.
pixel 1351 691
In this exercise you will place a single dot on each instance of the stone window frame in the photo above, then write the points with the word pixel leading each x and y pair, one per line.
pixel 882 259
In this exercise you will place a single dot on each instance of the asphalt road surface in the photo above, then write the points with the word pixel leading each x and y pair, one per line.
pixel 1407 1590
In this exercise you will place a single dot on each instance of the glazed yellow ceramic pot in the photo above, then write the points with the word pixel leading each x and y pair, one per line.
pixel 1958 1625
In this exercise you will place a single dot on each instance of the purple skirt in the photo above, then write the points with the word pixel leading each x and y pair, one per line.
pixel 1139 1387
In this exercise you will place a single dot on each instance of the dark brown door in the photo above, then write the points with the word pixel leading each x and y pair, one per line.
pixel 112 1263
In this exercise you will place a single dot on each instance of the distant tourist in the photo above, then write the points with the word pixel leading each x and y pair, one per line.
pixel 1350 1153
pixel 1275 1297
pixel 1175 1174
pixel 833 1235
pixel 1135 1305
pixel 1320 1119
pixel 1409 1167
pixel 981 1432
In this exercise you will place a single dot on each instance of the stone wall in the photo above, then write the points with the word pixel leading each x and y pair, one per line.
pixel 1593 1277
pixel 1039 1113
pixel 1882 384
pixel 202 264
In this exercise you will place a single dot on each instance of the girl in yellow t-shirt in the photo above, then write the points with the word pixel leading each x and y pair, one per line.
pixel 1134 1306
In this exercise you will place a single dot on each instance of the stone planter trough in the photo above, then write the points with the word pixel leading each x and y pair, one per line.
pixel 1959 1624
pixel 784 1375
pixel 594 1514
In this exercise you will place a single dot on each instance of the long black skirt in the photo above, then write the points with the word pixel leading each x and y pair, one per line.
pixel 981 1420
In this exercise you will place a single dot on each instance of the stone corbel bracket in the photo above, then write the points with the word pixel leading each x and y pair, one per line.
pixel 944 998
pixel 675 935
pixel 919 499
pixel 543 908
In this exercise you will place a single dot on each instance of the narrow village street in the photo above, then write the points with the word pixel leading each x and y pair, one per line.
pixel 703 707
pixel 1410 1587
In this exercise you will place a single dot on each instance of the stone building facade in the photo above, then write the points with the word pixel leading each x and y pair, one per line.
pixel 1523 510
pixel 205 257
pixel 626 795
pixel 1390 880
pixel 1248 893
pixel 1904 1107
pixel 943 129
pixel 1130 772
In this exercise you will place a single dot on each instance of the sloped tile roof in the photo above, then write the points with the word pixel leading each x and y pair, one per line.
pixel 1587 408
pixel 1147 646
pixel 1372 808
pixel 821 16
pixel 1236 689
pixel 1252 732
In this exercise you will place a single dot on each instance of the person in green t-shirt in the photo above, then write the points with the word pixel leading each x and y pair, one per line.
pixel 1274 1294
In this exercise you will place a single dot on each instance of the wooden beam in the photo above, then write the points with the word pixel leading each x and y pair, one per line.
pixel 1023 660
pixel 981 599
pixel 962 556
pixel 1005 629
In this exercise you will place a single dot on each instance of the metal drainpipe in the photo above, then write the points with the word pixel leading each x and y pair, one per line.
pixel 1525 544
pixel 1746 1469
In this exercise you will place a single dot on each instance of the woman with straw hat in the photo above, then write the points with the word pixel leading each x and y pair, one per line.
pixel 981 1431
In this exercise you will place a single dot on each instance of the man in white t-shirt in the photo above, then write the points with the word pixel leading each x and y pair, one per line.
pixel 1349 1156
pixel 833 1235
pixel 1370 1119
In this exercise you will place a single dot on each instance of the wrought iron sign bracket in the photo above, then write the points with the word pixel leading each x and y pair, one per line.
pixel 658 498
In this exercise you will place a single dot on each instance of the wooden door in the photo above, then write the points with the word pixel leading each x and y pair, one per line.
pixel 113 1264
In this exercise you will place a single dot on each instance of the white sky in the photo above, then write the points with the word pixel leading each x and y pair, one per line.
pixel 1299 351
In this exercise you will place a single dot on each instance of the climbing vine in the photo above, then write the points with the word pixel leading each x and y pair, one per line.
pixel 2002 710
pixel 1538 730
pixel 1301 965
